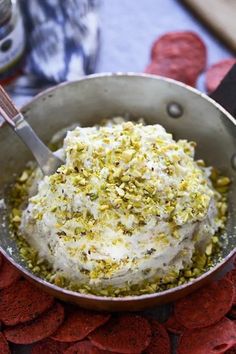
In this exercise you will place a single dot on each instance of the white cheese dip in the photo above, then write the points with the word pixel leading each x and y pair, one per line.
pixel 129 205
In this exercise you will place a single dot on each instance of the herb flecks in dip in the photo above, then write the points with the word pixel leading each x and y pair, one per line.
pixel 130 208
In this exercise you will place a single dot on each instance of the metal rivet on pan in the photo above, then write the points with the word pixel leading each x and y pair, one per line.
pixel 233 161
pixel 175 110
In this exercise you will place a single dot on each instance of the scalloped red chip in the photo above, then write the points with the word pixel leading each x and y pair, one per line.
pixel 216 73
pixel 27 305
pixel 49 346
pixel 205 306
pixel 34 331
pixel 173 326
pixel 123 334
pixel 215 339
pixel 4 347
pixel 1 258
pixel 85 347
pixel 8 274
pixel 79 324
pixel 178 55
pixel 160 341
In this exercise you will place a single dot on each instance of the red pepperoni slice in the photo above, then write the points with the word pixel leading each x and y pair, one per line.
pixel 215 339
pixel 4 348
pixel 8 274
pixel 184 44
pixel 22 302
pixel 160 342
pixel 205 306
pixel 34 331
pixel 79 324
pixel 216 73
pixel 123 334
pixel 179 55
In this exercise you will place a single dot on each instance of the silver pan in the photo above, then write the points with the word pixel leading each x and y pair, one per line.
pixel 182 110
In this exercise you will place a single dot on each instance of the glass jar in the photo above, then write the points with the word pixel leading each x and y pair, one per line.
pixel 12 40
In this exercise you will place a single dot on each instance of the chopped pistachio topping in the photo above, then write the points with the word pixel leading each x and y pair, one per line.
pixel 140 167
pixel 127 213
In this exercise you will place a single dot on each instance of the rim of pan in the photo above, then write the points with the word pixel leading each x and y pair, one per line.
pixel 130 297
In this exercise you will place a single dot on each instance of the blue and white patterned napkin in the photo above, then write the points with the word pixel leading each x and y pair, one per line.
pixel 62 39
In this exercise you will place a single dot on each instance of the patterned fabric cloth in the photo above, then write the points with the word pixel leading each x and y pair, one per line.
pixel 62 43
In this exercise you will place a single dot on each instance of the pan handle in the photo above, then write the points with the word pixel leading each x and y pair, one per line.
pixel 225 94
